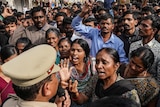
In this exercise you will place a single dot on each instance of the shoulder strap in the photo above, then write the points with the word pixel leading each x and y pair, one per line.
pixel 5 101
pixel 11 101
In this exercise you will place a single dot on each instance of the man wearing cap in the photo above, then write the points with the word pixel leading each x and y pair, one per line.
pixel 34 78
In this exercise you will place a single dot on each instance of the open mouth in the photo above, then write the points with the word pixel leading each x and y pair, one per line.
pixel 75 59
pixel 101 73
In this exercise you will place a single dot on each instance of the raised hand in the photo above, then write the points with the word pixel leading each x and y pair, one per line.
pixel 87 7
pixel 65 71
pixel 7 12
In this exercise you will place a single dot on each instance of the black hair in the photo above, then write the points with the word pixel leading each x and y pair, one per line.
pixel 65 39
pixel 83 44
pixel 66 51
pixel 145 54
pixel 137 5
pixel 69 9
pixel 157 11
pixel 9 20
pixel 155 21
pixel 28 17
pixel 67 20
pixel 24 40
pixel 105 17
pixel 128 6
pixel 19 14
pixel 78 5
pixel 95 9
pixel 134 15
pixel 29 93
pixel 90 19
pixel 61 14
pixel 148 9
pixel 112 52
pixel 28 12
pixel 56 8
pixel 76 13
pixel 103 9
pixel 115 8
pixel 37 9
pixel 7 51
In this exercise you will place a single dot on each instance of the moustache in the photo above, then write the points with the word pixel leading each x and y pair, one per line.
pixel 38 23
pixel 104 28
pixel 126 25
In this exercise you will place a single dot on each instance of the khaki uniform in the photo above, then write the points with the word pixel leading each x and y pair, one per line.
pixel 35 35
pixel 30 73
pixel 15 101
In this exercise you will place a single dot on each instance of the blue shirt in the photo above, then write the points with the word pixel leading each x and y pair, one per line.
pixel 97 39
pixel 107 4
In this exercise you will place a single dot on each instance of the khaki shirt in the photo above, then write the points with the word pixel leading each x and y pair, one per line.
pixel 35 104
pixel 15 101
pixel 35 35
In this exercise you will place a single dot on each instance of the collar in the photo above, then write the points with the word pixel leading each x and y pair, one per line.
pixel 23 103
pixel 150 44
pixel 136 33
pixel 44 28
pixel 111 39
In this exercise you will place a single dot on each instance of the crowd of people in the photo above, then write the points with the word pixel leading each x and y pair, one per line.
pixel 86 55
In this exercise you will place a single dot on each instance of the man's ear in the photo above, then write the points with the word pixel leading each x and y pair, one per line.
pixel 155 30
pixel 46 89
pixel 136 22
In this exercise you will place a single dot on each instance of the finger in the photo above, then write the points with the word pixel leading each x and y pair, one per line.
pixel 66 95
pixel 87 3
pixel 64 84
pixel 70 85
pixel 61 64
pixel 61 99
pixel 76 83
pixel 67 63
pixel 74 86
